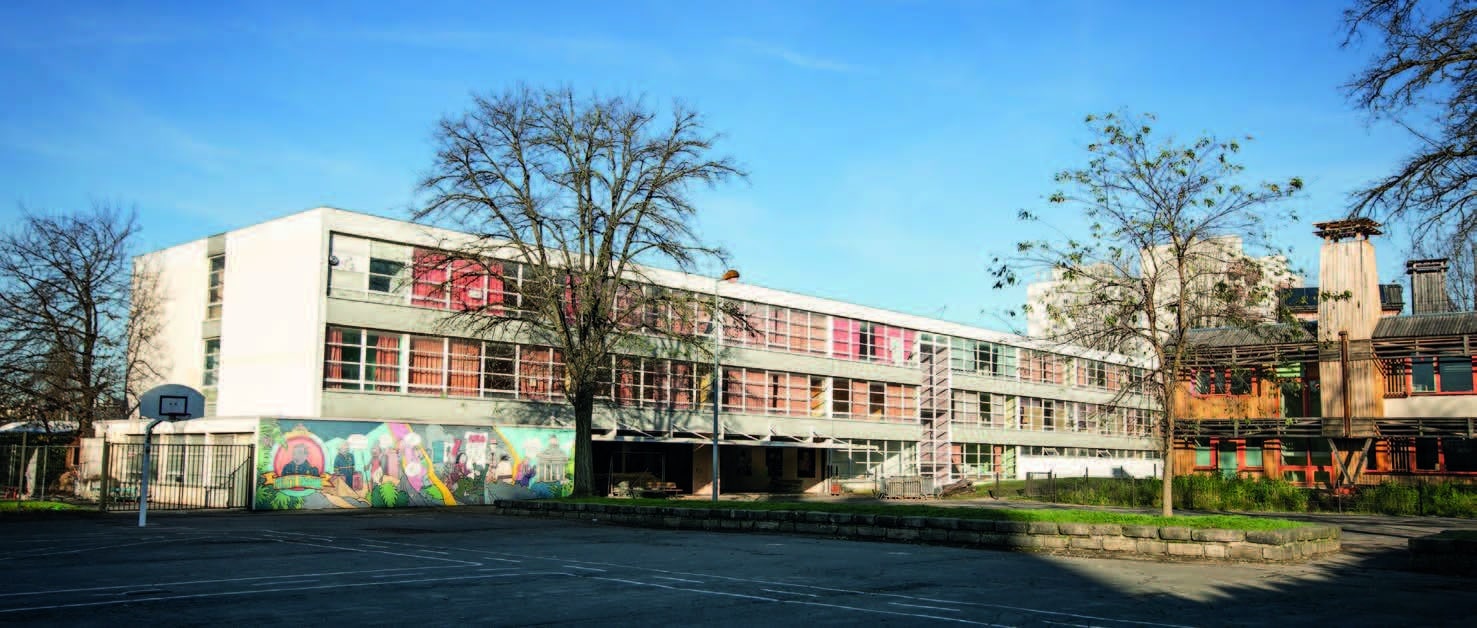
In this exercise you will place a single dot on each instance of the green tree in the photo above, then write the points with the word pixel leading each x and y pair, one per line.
pixel 1152 261
pixel 585 193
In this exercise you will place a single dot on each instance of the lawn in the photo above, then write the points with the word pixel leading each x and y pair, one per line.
pixel 13 506
pixel 1232 522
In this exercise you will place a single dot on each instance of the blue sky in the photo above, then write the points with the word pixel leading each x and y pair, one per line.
pixel 889 144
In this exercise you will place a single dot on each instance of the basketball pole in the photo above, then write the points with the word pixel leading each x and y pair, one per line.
pixel 143 489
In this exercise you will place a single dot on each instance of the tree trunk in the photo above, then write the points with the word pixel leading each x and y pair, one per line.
pixel 1167 476
pixel 584 455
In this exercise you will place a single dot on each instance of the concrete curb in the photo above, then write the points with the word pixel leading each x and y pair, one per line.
pixel 1287 545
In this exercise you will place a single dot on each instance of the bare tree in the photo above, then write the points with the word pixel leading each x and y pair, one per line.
pixel 1153 261
pixel 65 327
pixel 1423 76
pixel 584 193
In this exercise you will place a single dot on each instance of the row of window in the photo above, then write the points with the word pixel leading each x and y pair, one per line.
pixel 1420 374
pixel 425 278
pixel 1000 411
pixel 1090 452
pixel 369 360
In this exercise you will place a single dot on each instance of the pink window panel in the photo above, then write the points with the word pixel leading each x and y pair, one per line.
pixel 910 340
pixel 496 288
pixel 468 285
pixel 844 338
pixel 429 272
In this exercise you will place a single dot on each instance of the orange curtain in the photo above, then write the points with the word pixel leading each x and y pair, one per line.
pixel 427 365
pixel 465 362
pixel 387 363
pixel 333 356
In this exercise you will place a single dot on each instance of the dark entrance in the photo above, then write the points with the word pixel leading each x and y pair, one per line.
pixel 669 462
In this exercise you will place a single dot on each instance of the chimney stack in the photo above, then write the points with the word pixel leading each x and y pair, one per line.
pixel 1428 286
pixel 1348 311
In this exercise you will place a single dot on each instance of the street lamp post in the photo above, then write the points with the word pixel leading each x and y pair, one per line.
pixel 716 323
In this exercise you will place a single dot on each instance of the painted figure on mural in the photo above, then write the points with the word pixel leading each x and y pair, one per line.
pixel 299 464
pixel 457 470
pixel 376 465
pixel 343 465
pixel 504 471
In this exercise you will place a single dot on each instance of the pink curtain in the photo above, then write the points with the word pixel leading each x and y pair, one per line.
pixel 387 363
pixel 429 286
pixel 495 287
pixel 468 285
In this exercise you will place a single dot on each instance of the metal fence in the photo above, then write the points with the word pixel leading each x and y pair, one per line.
pixel 181 476
pixel 37 472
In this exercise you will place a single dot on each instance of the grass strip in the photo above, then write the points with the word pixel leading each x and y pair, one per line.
pixel 13 506
pixel 1058 515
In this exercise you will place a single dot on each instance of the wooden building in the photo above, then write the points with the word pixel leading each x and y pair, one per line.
pixel 1359 395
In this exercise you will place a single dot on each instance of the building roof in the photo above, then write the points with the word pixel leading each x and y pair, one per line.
pixel 1305 299
pixel 1426 325
pixel 1259 335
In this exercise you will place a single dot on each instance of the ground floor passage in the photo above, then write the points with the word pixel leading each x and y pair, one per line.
pixel 854 466
pixel 1311 462
pixel 471 566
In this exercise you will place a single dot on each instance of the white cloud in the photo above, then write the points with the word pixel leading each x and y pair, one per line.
pixel 797 59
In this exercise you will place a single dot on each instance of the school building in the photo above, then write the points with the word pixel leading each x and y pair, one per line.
pixel 319 338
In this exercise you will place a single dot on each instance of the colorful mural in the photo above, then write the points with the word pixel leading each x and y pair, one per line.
pixel 309 464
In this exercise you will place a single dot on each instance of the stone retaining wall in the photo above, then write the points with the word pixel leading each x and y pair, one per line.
pixel 1291 544
pixel 1444 553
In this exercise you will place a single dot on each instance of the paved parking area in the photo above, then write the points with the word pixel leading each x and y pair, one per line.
pixel 470 565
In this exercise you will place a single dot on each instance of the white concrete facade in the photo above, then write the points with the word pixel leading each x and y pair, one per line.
pixel 281 294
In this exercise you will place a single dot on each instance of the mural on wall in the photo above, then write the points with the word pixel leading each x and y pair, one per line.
pixel 307 464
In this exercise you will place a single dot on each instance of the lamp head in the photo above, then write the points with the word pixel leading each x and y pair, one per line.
pixel 730 275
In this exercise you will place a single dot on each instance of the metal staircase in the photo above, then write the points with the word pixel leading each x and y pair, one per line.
pixel 935 405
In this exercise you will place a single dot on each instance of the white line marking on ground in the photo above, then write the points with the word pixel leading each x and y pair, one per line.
pixel 781 592
pixel 221 580
pixel 857 592
pixel 957 620
pixel 497 569
pixel 678 579
pixel 670 587
pixel 192 596
pixel 932 608
pixel 283 582
pixel 387 552
pixel 89 549
pixel 584 568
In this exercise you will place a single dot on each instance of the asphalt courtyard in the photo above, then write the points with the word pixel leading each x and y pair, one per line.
pixel 472 566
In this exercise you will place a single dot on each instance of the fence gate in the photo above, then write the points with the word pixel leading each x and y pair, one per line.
pixel 181 476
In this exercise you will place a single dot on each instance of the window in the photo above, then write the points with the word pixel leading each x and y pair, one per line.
pixel 867 341
pixel 1218 381
pixel 499 370
pixel 212 363
pixel 383 274
pixel 540 373
pixel 427 365
pixel 210 379
pixel 356 359
pixel 215 294
pixel 1443 374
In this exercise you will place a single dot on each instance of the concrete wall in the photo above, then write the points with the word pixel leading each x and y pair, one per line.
pixel 1432 406
pixel 179 350
pixel 1073 466
pixel 272 321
